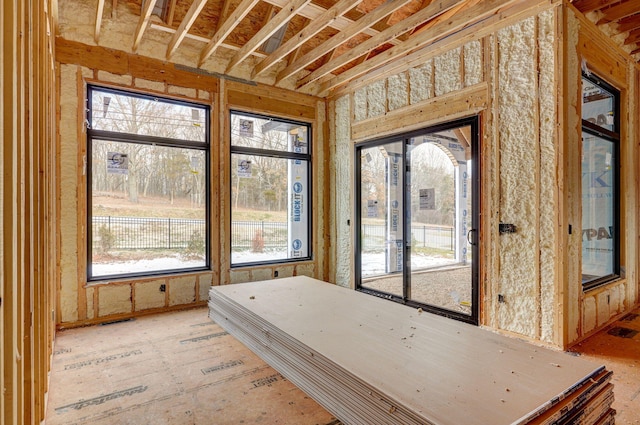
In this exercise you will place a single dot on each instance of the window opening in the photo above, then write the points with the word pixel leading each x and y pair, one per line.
pixel 417 208
pixel 270 190
pixel 600 182
pixel 148 185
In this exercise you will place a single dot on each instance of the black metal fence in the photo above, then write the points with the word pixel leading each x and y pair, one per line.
pixel 374 237
pixel 258 235
pixel 176 233
pixel 147 233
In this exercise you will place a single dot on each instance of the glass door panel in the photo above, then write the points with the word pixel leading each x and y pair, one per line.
pixel 381 233
pixel 439 188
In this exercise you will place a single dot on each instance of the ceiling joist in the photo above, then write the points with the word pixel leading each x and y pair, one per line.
pixel 365 22
pixel 226 28
pixel 185 25
pixel 426 14
pixel 99 11
pixel 143 22
pixel 313 28
pixel 285 15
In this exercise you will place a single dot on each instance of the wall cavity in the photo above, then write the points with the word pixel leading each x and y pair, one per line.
pixel 341 193
pixel 69 198
pixel 376 99
pixel 397 88
pixel 519 162
pixel 548 173
pixel 472 63
pixel 421 82
pixel 447 72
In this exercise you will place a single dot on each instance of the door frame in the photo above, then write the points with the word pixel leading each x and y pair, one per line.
pixel 474 123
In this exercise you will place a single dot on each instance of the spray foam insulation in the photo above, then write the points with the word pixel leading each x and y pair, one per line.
pixel 518 180
pixel 447 72
pixel 397 88
pixel 182 290
pixel 420 82
pixel 69 197
pixel 149 295
pixel 376 99
pixel 114 299
pixel 472 63
pixel 548 165
pixel 360 104
pixel 343 202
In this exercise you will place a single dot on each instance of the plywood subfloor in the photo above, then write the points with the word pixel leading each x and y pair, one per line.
pixel 93 364
pixel 174 368
pixel 618 347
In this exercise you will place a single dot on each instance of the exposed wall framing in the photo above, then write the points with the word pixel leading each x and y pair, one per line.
pixel 80 64
pixel 28 213
pixel 520 75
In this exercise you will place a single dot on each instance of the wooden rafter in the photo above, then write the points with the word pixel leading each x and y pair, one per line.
pixel 224 13
pixel 201 39
pixel 185 25
pixel 313 11
pixel 430 12
pixel 225 29
pixel 99 11
pixel 314 27
pixel 171 13
pixel 365 22
pixel 449 26
pixel 281 18
pixel 586 6
pixel 619 11
pixel 629 23
pixel 143 22
pixel 633 37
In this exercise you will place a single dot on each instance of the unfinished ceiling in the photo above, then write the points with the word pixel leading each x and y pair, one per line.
pixel 313 47
pixel 310 46
pixel 618 19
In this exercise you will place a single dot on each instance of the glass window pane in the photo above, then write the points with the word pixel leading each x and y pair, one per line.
pixel 598 105
pixel 381 189
pixel 269 134
pixel 441 218
pixel 125 113
pixel 270 209
pixel 598 207
pixel 148 208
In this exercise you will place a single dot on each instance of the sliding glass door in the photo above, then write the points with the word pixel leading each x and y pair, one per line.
pixel 417 215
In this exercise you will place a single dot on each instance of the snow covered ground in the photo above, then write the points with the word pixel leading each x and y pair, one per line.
pixel 372 263
pixel 141 266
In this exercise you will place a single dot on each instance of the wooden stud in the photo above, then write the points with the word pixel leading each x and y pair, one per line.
pixel 81 191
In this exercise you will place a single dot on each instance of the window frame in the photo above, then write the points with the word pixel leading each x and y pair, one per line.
pixel 475 123
pixel 612 136
pixel 136 139
pixel 244 150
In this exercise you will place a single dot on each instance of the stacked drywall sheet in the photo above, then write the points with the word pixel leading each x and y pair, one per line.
pixel 371 361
